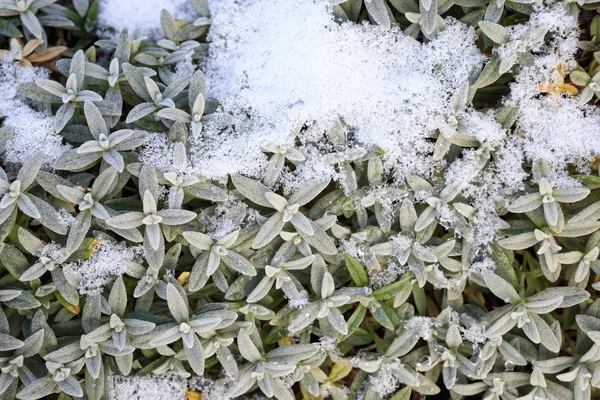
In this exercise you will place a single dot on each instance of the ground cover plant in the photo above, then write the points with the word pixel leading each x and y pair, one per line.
pixel 347 199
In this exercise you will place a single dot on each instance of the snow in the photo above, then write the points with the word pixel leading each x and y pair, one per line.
pixel 155 387
pixel 554 127
pixel 295 71
pixel 210 389
pixel 422 326
pixel 475 333
pixel 217 389
pixel 550 127
pixel 33 130
pixel 560 131
pixel 141 17
pixel 108 262
pixel 286 74
pixel 51 250
pixel 385 381
pixel 329 344
pixel 65 217
pixel 158 151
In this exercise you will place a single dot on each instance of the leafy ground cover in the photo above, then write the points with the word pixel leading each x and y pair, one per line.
pixel 378 199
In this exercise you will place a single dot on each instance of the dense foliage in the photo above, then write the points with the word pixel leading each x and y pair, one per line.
pixel 367 285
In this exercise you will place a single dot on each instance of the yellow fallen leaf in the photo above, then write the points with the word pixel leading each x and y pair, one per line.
pixel 184 277
pixel 194 395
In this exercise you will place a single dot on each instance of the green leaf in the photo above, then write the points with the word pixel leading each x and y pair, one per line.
pixel 504 268
pixel 136 80
pixel 8 343
pixel 420 299
pixel 268 231
pixel 252 190
pixel 38 389
pixel 355 320
pixel 32 24
pixel 68 292
pixel 519 242
pixel 489 74
pixel 379 12
pixel 357 271
pixel 320 240
pixel 8 29
pixel 590 181
pixel 177 304
pixel 14 261
pixel 140 111
pixel 94 388
pixel 118 297
pixel 429 15
pixel 195 356
pixel 385 315
pixel 50 218
pixel 389 291
pixel 403 394
pixel 168 23
pixel 405 6
pixel 494 31
pixel 25 301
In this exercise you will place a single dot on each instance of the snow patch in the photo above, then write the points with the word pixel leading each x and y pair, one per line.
pixel 284 71
pixel 108 262
pixel 155 387
pixel 141 17
pixel 33 131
